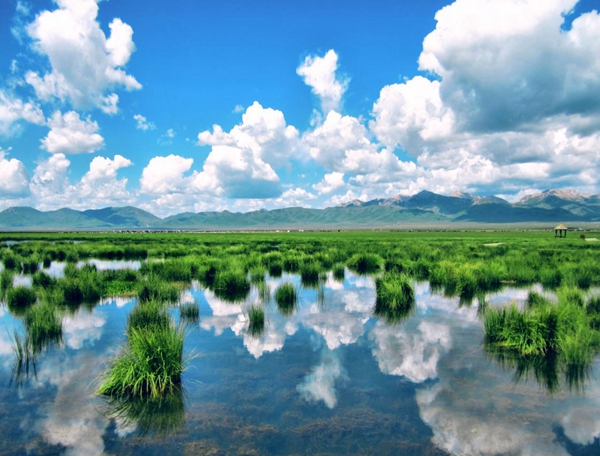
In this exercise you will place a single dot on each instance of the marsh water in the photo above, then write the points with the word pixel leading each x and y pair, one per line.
pixel 328 379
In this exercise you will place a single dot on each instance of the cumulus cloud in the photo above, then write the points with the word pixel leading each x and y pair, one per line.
pixel 13 110
pixel 330 183
pixel 240 164
pixel 142 123
pixel 86 65
pixel 14 178
pixel 295 197
pixel 263 131
pixel 165 175
pixel 319 73
pixel 513 95
pixel 69 134
pixel 101 185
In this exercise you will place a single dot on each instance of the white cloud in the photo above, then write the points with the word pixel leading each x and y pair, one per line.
pixel 14 179
pixel 100 186
pixel 331 182
pixel 170 133
pixel 165 175
pixel 142 123
pixel 50 182
pixel 410 113
pixel 320 74
pixel 240 164
pixel 295 197
pixel 515 102
pixel 237 173
pixel 86 65
pixel 263 132
pixel 69 134
pixel 13 110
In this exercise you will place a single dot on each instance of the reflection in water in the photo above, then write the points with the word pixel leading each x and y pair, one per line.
pixel 319 385
pixel 330 378
pixel 160 416
pixel 546 370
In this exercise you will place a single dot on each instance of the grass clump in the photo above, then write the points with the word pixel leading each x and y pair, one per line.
pixel 339 272
pixel 149 315
pixel 535 299
pixel 286 297
pixel 6 281
pixel 365 263
pixel 157 290
pixel 231 285
pixel 256 317
pixel 20 297
pixel 309 274
pixel 150 365
pixel 395 297
pixel 189 312
pixel 44 327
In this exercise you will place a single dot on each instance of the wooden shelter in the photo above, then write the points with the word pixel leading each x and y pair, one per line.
pixel 560 231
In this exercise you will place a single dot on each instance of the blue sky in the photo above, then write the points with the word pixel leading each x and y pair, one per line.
pixel 241 105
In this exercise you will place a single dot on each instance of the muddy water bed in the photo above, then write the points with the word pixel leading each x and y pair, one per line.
pixel 328 379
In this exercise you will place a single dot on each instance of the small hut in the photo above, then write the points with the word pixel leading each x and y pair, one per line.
pixel 560 231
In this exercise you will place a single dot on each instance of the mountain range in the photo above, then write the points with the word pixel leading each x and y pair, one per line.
pixel 424 208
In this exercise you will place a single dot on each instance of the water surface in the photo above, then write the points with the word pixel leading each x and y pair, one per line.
pixel 330 378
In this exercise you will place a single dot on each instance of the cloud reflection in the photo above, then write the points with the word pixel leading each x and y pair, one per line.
pixel 319 385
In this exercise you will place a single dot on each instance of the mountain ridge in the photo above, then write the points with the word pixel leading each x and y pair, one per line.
pixel 425 207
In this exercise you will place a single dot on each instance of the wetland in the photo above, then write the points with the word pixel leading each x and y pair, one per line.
pixel 299 343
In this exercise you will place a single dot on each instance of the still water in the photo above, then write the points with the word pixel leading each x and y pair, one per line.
pixel 328 379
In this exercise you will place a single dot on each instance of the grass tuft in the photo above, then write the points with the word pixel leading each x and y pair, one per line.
pixel 286 297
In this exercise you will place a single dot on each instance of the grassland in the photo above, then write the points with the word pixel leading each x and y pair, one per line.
pixel 465 264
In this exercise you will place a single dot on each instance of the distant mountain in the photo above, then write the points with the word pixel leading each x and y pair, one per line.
pixel 124 216
pixel 425 208
pixel 586 206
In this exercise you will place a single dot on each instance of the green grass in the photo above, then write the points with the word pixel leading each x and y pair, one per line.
pixel 189 312
pixel 256 317
pixel 309 274
pixel 20 297
pixel 286 297
pixel 231 285
pixel 395 297
pixel 365 263
pixel 339 272
pixel 150 365
pixel 43 326
pixel 154 289
pixel 150 315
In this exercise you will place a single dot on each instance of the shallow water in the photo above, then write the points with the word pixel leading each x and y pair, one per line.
pixel 330 378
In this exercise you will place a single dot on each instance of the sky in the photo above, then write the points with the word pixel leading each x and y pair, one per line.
pixel 241 105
